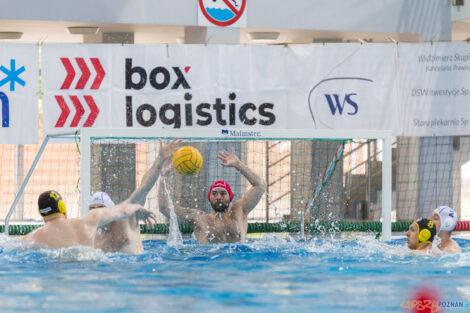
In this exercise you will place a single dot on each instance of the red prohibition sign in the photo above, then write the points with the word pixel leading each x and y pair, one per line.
pixel 238 13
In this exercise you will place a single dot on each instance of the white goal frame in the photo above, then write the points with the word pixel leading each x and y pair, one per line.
pixel 247 134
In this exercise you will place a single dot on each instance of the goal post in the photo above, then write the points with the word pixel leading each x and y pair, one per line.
pixel 292 161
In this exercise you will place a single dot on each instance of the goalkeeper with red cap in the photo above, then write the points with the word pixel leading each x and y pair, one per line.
pixel 228 221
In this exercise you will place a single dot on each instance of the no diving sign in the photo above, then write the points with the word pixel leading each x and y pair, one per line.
pixel 222 13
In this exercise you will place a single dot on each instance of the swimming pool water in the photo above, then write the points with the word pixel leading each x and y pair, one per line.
pixel 274 274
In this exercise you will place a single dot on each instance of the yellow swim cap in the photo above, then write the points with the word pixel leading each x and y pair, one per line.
pixel 50 203
pixel 426 230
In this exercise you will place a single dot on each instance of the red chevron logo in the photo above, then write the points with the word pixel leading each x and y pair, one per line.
pixel 79 111
pixel 85 73
pixel 70 73
pixel 100 73
pixel 94 111
pixel 65 111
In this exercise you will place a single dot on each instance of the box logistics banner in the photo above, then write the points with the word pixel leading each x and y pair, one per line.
pixel 411 89
pixel 19 78
pixel 121 86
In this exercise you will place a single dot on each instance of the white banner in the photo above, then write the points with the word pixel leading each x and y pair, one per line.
pixel 435 88
pixel 411 89
pixel 19 93
pixel 347 86
pixel 116 86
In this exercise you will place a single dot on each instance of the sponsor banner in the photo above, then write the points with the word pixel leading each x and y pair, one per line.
pixel 411 89
pixel 19 93
pixel 343 86
pixel 435 88
pixel 159 86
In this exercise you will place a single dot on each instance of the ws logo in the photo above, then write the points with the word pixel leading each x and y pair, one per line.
pixel 339 105
pixel 325 102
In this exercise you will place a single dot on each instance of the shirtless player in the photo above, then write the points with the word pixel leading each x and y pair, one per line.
pixel 227 222
pixel 60 232
pixel 124 235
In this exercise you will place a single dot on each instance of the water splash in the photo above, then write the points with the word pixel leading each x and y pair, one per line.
pixel 8 243
pixel 275 273
pixel 74 254
pixel 175 239
pixel 435 244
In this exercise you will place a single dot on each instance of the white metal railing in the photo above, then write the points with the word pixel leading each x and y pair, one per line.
pixel 30 172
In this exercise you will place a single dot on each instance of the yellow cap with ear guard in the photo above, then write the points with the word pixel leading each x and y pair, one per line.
pixel 50 202
pixel 426 230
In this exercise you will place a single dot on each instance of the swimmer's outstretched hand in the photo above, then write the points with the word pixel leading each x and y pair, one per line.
pixel 229 159
pixel 146 216
pixel 168 150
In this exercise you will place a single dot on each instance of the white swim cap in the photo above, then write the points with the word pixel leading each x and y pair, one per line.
pixel 101 198
pixel 448 218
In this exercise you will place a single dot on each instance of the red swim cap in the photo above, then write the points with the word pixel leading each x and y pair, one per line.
pixel 221 184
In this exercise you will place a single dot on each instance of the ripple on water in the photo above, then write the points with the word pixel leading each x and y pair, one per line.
pixel 273 274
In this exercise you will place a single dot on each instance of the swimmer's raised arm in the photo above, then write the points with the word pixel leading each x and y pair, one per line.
pixel 184 215
pixel 103 216
pixel 251 198
pixel 150 178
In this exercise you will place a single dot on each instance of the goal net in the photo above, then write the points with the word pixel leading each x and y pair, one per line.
pixel 427 172
pixel 330 176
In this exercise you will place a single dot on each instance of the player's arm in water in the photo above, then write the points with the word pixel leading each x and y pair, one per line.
pixel 104 216
pixel 258 186
pixel 184 215
pixel 150 178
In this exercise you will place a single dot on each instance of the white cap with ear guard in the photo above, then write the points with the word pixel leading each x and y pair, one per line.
pixel 101 198
pixel 448 218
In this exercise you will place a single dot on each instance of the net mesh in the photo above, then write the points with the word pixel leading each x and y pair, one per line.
pixel 429 172
pixel 426 172
pixel 57 169
pixel 292 170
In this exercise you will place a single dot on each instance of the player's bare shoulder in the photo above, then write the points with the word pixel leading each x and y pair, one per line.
pixel 237 213
pixel 31 237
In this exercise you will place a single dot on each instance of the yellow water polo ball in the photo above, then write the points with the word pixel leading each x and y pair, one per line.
pixel 187 161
